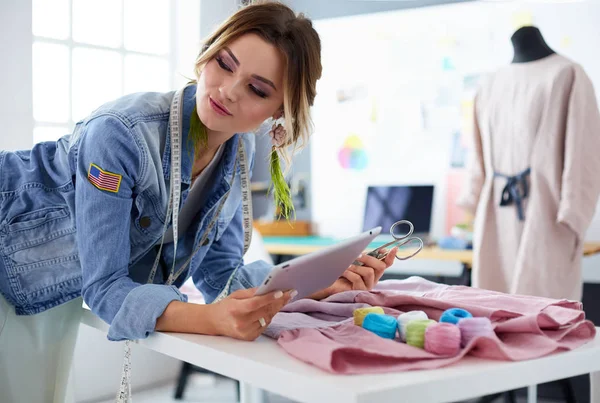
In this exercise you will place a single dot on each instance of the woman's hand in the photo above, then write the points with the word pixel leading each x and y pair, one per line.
pixel 242 315
pixel 359 277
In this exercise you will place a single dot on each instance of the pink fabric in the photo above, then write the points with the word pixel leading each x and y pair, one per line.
pixel 323 334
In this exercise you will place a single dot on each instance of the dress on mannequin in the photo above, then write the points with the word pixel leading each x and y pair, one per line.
pixel 532 183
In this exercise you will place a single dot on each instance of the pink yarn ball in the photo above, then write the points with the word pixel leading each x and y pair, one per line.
pixel 471 328
pixel 442 339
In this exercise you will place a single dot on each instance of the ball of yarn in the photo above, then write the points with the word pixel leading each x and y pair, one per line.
pixel 415 332
pixel 360 313
pixel 454 315
pixel 380 324
pixel 405 318
pixel 443 339
pixel 471 328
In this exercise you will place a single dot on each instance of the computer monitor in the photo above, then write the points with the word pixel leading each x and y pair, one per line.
pixel 387 204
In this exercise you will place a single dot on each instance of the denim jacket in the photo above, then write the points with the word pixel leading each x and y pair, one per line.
pixel 62 234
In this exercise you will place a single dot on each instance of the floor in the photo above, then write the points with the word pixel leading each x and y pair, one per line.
pixel 208 389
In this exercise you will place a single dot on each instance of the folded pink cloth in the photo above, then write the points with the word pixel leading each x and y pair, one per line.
pixel 322 333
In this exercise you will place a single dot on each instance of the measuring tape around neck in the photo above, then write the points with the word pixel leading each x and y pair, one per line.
pixel 175 124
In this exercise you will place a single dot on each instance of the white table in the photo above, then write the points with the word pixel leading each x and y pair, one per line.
pixel 263 364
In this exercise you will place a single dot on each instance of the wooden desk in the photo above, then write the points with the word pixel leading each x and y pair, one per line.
pixel 263 364
pixel 291 246
pixel 296 246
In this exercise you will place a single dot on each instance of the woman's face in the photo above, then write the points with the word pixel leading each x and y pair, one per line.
pixel 240 87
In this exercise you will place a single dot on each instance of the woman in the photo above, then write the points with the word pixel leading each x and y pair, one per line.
pixel 86 216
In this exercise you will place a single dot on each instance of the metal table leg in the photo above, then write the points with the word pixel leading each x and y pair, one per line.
pixel 250 394
pixel 532 394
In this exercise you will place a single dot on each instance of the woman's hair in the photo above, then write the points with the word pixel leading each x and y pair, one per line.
pixel 300 47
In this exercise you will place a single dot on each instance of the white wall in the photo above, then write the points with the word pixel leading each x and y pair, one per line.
pixel 15 75
pixel 318 9
pixel 213 13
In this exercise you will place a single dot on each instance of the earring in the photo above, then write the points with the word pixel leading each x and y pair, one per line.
pixel 281 191
pixel 277 132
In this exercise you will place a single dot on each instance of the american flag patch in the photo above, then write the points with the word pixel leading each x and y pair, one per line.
pixel 104 180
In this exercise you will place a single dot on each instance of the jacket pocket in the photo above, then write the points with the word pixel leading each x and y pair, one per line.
pixel 42 254
pixel 36 218
pixel 47 234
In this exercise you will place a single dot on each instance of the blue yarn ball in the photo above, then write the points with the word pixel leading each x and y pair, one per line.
pixel 382 325
pixel 453 315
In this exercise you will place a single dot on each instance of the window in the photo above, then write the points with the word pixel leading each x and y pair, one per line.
pixel 88 52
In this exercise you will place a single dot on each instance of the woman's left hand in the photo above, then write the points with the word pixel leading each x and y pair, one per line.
pixel 359 277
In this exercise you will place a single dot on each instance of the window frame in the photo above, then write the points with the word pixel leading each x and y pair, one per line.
pixel 171 57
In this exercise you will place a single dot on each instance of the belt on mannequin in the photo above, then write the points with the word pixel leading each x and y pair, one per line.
pixel 515 190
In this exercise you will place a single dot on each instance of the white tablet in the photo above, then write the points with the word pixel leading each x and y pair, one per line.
pixel 313 272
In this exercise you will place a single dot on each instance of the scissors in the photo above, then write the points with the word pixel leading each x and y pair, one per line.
pixel 399 240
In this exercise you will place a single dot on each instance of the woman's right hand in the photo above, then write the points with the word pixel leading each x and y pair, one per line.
pixel 243 315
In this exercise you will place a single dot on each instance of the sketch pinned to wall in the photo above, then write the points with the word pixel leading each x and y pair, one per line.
pixel 455 179
pixel 461 140
pixel 448 64
pixel 447 48
pixel 466 118
pixel 459 151
pixel 374 113
pixel 352 155
pixel 471 82
pixel 354 93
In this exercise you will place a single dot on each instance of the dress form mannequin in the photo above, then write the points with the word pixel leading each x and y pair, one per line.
pixel 529 45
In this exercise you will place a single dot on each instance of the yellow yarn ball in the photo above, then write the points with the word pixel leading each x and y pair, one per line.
pixel 360 313
pixel 415 332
